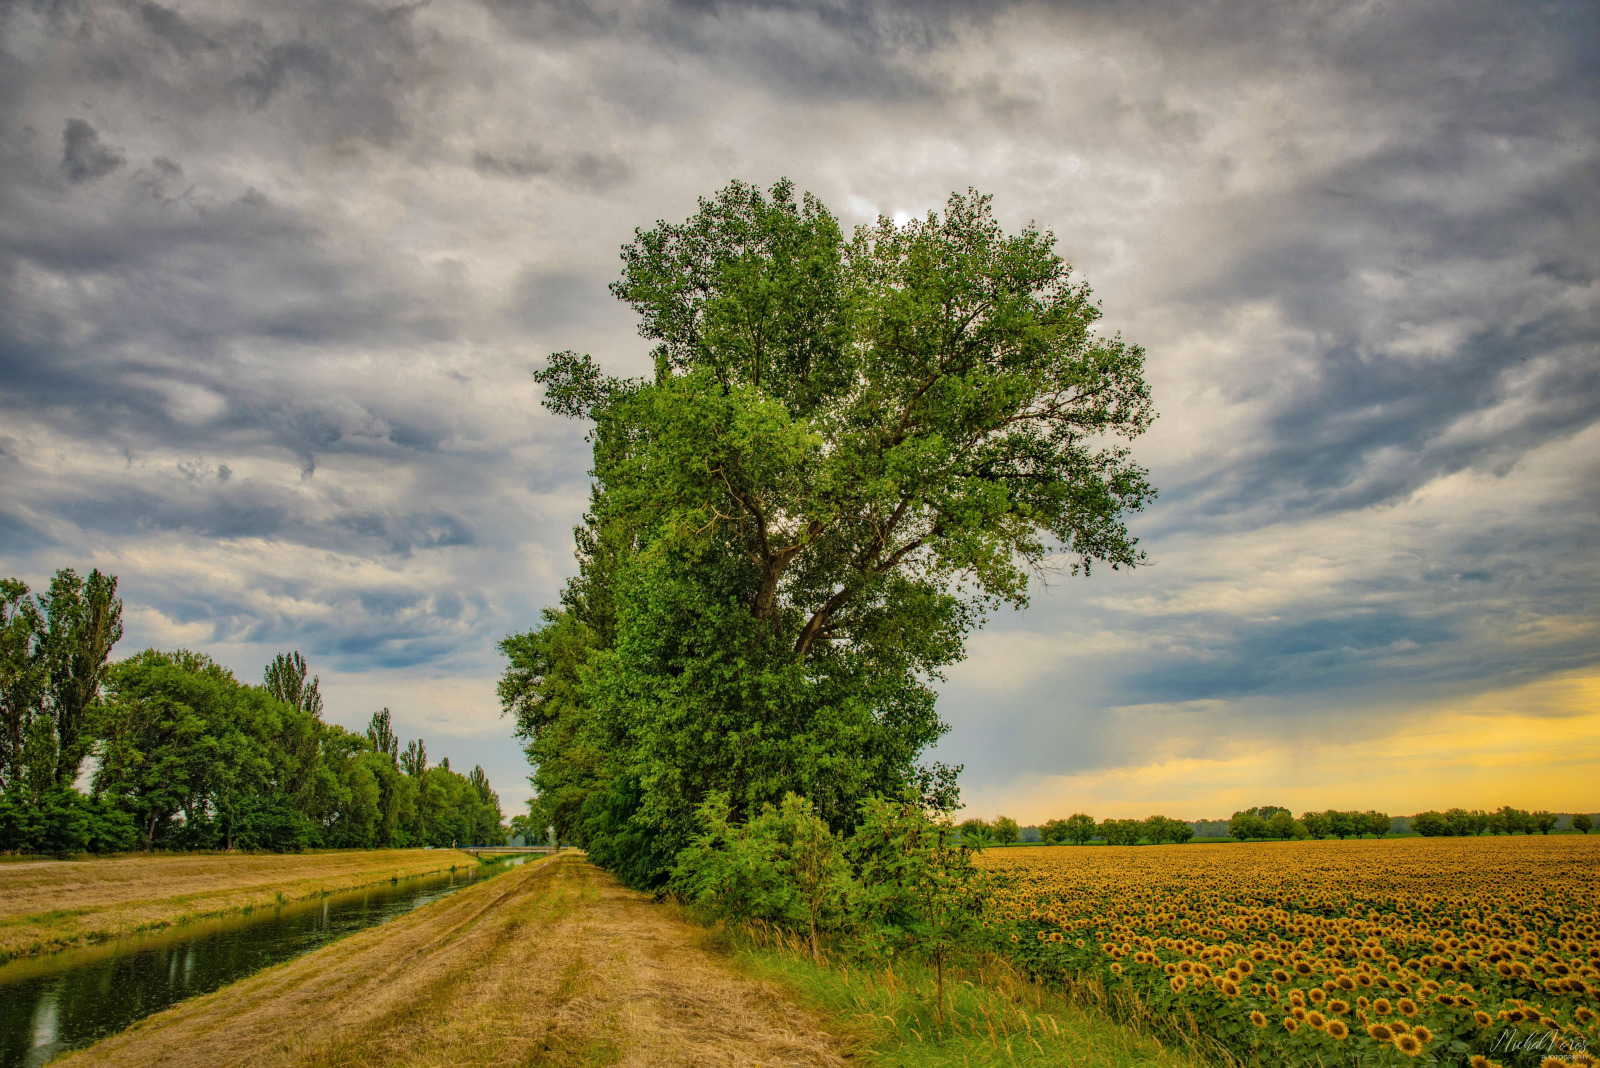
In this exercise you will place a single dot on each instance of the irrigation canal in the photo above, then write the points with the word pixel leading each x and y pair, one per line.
pixel 68 1000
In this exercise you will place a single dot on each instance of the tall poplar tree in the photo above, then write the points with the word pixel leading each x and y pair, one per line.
pixel 852 449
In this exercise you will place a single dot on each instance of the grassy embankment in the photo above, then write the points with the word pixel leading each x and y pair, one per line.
pixel 50 906
pixel 993 1016
pixel 555 964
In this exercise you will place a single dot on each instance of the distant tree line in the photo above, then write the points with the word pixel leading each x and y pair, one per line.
pixel 186 756
pixel 1459 822
pixel 1264 822
pixel 1077 829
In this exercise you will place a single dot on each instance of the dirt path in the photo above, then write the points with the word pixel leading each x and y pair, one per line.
pixel 550 964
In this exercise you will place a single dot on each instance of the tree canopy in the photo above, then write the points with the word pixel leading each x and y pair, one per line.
pixel 852 449
pixel 189 757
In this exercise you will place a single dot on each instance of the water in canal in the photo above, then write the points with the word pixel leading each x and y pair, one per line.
pixel 67 1000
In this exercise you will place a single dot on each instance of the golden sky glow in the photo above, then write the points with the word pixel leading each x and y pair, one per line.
pixel 1533 746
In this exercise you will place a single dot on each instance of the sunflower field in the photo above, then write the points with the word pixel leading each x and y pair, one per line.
pixel 1476 951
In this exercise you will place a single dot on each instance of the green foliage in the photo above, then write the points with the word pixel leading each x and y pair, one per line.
pixel 1161 829
pixel 900 882
pixel 850 451
pixel 1121 832
pixel 1005 830
pixel 1077 828
pixel 1430 824
pixel 1582 823
pixel 784 867
pixel 976 834
pixel 53 654
pixel 191 758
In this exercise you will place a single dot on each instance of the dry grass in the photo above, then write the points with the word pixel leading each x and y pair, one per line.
pixel 50 906
pixel 552 964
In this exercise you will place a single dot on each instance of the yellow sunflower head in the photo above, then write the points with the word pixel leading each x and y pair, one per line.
pixel 1380 1032
pixel 1408 1045
pixel 1258 1018
pixel 1338 1029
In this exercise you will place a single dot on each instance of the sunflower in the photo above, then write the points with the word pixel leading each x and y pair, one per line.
pixel 1338 1008
pixel 1382 1007
pixel 1178 983
pixel 1583 1014
pixel 1279 975
pixel 1317 995
pixel 1230 988
pixel 1380 1032
pixel 1422 1033
pixel 1116 969
pixel 1290 1024
pixel 1337 1029
pixel 1055 936
pixel 1408 1045
pixel 1483 1019
pixel 1480 1061
pixel 1346 983
pixel 1317 1020
pixel 1258 1019
pixel 1554 1062
pixel 1407 1007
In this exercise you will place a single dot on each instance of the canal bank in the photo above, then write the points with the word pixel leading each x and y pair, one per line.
pixel 51 905
pixel 71 999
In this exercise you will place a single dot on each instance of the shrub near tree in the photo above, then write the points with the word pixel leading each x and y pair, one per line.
pixel 900 881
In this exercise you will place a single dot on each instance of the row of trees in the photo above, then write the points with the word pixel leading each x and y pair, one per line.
pixel 1459 822
pixel 185 756
pixel 1272 821
pixel 851 450
pixel 1268 821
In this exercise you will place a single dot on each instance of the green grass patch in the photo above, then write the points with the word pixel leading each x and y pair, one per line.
pixel 992 1014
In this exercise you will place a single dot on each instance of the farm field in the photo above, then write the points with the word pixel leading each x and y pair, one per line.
pixel 49 906
pixel 1405 951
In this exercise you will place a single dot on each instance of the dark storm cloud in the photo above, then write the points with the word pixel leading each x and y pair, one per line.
pixel 586 171
pixel 84 158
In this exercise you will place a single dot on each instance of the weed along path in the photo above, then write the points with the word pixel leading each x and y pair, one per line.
pixel 551 964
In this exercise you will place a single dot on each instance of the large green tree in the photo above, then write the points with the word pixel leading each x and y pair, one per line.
pixel 851 449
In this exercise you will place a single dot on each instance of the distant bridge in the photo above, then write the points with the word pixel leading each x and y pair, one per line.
pixel 498 849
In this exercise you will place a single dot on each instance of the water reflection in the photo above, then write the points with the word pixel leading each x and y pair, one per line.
pixel 66 1001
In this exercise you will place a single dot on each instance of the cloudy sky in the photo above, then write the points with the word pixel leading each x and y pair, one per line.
pixel 273 277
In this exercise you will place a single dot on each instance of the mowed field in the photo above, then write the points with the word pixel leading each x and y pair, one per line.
pixel 552 963
pixel 48 906
pixel 1335 952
